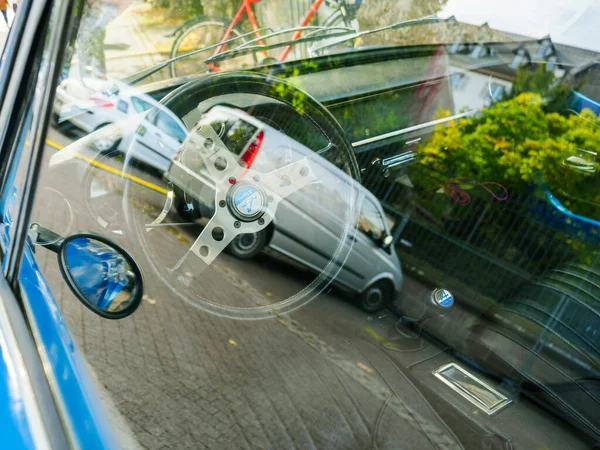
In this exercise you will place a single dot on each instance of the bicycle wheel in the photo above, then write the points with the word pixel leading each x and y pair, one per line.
pixel 201 35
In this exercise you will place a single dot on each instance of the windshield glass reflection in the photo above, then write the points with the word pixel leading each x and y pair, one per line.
pixel 333 205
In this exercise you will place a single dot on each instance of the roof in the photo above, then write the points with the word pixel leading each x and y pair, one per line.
pixel 500 46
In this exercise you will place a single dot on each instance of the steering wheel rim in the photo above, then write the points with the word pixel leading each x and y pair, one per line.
pixel 212 86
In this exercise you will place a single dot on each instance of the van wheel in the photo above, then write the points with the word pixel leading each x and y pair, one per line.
pixel 374 297
pixel 248 245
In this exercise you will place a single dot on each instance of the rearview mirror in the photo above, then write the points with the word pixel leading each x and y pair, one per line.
pixel 103 276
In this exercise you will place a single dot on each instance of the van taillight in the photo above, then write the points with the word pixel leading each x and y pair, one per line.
pixel 253 149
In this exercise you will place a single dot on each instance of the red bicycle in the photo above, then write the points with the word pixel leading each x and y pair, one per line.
pixel 203 32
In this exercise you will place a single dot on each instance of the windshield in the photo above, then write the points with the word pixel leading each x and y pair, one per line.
pixel 360 224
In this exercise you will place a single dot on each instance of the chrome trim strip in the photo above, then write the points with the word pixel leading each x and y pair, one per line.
pixel 472 388
pixel 421 126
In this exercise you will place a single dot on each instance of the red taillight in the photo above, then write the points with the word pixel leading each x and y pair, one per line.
pixel 253 149
pixel 102 102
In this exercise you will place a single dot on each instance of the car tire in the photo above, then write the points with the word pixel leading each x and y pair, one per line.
pixel 375 297
pixel 247 246
pixel 105 145
pixel 64 126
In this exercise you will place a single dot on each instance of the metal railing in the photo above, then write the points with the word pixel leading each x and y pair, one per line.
pixel 488 243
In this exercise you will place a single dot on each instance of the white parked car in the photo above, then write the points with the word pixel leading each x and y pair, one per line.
pixel 93 104
pixel 157 138
pixel 85 104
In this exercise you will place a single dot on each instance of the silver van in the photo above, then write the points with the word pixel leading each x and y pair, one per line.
pixel 309 222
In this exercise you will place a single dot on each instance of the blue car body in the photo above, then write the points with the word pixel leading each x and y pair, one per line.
pixel 83 417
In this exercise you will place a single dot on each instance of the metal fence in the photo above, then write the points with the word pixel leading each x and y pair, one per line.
pixel 475 236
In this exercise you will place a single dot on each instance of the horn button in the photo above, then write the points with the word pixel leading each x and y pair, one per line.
pixel 246 202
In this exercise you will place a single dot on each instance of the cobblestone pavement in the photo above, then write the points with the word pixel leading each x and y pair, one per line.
pixel 326 376
pixel 183 378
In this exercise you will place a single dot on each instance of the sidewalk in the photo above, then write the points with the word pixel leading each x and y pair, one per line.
pixel 129 47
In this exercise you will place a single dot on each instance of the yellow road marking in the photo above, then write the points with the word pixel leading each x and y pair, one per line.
pixel 110 169
pixel 379 338
pixel 54 144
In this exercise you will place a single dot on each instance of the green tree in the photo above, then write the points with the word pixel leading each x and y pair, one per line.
pixel 517 143
pixel 554 91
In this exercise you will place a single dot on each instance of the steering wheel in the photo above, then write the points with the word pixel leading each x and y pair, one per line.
pixel 265 150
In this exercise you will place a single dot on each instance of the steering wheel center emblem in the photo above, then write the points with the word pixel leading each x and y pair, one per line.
pixel 246 202
pixel 443 298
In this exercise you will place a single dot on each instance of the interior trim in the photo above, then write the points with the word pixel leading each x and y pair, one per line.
pixel 403 131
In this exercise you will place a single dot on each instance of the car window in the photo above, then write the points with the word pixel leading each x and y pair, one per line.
pixel 370 221
pixel 237 134
pixel 462 141
pixel 169 126
pixel 140 105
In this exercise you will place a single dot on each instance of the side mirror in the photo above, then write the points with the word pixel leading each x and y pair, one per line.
pixel 102 275
pixel 386 241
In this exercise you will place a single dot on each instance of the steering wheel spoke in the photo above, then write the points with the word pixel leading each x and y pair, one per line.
pixel 288 179
pixel 223 228
pixel 213 239
pixel 219 162
pixel 247 207
pixel 223 169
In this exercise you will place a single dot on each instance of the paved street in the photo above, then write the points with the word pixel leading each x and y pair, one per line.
pixel 176 376
pixel 227 383
pixel 326 376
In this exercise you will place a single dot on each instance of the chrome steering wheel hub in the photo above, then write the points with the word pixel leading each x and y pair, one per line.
pixel 246 202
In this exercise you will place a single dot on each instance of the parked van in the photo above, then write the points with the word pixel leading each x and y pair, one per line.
pixel 308 224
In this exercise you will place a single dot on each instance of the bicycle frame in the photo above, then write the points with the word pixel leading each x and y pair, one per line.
pixel 305 21
pixel 246 7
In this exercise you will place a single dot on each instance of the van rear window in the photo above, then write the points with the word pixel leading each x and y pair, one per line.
pixel 235 134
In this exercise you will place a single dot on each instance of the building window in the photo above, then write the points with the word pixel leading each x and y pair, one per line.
pixel 546 49
pixel 552 64
pixel 457 81
pixel 478 51
pixel 457 47
pixel 496 91
pixel 520 60
pixel 493 92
